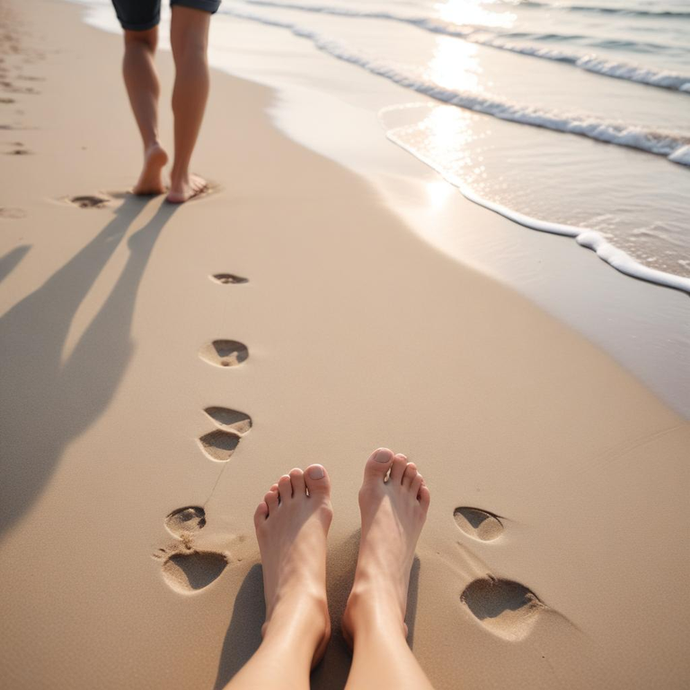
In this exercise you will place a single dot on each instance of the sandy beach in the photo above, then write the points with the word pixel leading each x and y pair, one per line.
pixel 135 384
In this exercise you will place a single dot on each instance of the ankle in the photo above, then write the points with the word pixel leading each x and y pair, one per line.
pixel 304 614
pixel 152 143
pixel 179 177
pixel 371 609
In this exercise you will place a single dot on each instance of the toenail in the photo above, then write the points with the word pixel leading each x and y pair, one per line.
pixel 316 472
pixel 382 455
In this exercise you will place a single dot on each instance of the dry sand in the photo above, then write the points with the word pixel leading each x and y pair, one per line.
pixel 556 550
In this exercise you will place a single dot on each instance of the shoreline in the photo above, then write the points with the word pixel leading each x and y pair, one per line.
pixel 644 326
pixel 359 334
pixel 585 237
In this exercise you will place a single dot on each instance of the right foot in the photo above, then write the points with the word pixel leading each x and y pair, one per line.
pixel 393 513
pixel 151 178
pixel 291 527
pixel 185 188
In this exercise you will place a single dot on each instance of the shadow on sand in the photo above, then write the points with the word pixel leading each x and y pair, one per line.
pixel 243 636
pixel 46 403
pixel 11 260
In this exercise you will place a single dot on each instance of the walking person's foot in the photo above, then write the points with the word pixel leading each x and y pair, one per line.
pixel 151 178
pixel 185 188
pixel 292 523
pixel 393 513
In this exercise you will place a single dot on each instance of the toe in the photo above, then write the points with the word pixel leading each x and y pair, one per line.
pixel 424 497
pixel 285 488
pixel 409 475
pixel 297 479
pixel 416 485
pixel 317 481
pixel 261 513
pixel 398 468
pixel 378 464
pixel 271 500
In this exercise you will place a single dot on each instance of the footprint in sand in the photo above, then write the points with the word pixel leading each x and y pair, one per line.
pixel 224 353
pixel 89 201
pixel 478 524
pixel 505 608
pixel 219 445
pixel 191 570
pixel 228 279
pixel 184 522
pixel 12 88
pixel 18 149
pixel 230 420
pixel 12 213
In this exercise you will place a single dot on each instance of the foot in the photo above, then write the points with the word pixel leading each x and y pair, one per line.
pixel 151 178
pixel 185 188
pixel 393 503
pixel 291 524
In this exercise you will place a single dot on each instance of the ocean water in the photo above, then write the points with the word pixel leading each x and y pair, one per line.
pixel 405 93
pixel 569 116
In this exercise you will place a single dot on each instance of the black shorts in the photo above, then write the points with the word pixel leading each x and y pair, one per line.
pixel 141 15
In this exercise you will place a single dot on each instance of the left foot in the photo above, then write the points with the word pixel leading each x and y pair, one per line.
pixel 291 527
pixel 186 188
pixel 151 178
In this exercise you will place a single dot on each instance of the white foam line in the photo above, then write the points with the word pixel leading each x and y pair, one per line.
pixel 481 35
pixel 585 237
pixel 602 10
pixel 666 144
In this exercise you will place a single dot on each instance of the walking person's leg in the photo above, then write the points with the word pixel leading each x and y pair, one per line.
pixel 291 525
pixel 393 514
pixel 140 24
pixel 189 40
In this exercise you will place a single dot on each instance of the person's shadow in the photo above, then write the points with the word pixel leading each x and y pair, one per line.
pixel 243 635
pixel 45 403
pixel 12 259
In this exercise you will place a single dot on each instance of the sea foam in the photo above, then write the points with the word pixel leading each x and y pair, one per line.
pixel 632 11
pixel 505 41
pixel 585 237
pixel 668 144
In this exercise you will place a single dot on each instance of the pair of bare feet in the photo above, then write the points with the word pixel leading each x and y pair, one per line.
pixel 183 186
pixel 292 524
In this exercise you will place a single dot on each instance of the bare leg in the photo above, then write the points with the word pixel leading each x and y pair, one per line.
pixel 291 527
pixel 393 514
pixel 189 39
pixel 143 90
